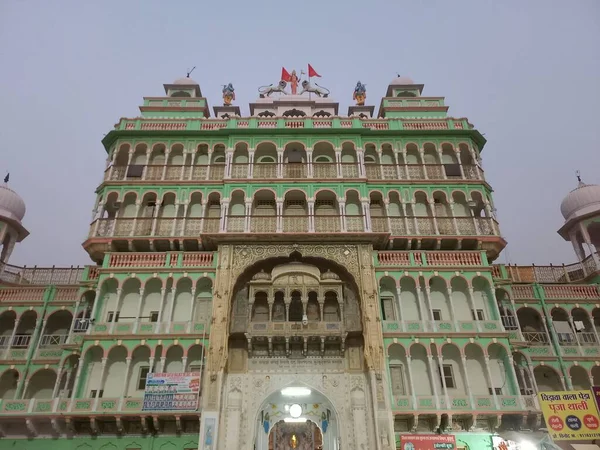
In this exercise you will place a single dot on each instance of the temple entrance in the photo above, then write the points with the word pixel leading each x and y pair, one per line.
pixel 295 436
pixel 297 417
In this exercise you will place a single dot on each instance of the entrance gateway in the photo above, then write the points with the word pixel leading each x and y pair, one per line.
pixel 297 418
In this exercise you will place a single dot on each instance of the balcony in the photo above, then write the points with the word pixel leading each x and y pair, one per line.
pixel 81 406
pixel 431 259
pixel 46 275
pixel 139 327
pixel 165 260
pixel 191 227
pixel 442 326
pixel 456 402
pixel 296 171
pixel 568 273
pixel 287 329
pixel 285 124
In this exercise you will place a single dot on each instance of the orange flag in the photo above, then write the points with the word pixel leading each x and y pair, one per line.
pixel 285 76
pixel 312 72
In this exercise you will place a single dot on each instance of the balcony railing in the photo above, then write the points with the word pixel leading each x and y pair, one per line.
pixel 550 274
pixel 83 406
pixel 144 327
pixel 160 260
pixel 295 328
pixel 218 171
pixel 536 338
pixel 46 275
pixel 430 258
pixel 193 226
pixel 281 123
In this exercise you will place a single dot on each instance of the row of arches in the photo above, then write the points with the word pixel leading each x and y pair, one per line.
pixel 455 213
pixel 92 375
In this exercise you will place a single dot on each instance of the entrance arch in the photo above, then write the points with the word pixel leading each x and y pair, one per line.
pixel 297 417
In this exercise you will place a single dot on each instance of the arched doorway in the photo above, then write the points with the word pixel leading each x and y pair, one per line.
pixel 305 435
pixel 297 417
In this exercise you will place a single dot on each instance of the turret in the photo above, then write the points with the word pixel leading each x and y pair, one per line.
pixel 12 211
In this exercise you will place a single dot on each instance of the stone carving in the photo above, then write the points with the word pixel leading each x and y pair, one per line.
pixel 266 91
pixel 319 90
pixel 239 321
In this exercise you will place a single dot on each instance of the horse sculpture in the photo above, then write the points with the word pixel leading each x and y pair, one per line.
pixel 266 91
pixel 319 90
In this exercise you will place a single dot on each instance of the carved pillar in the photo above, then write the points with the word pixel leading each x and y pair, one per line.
pixel 126 382
pixel 117 309
pixel 140 305
pixel 309 163
pixel 338 162
pixel 102 381
pixel 488 374
pixel 342 204
pixel 158 326
pixel 467 384
pixel 471 299
pixel 432 372
pixel 279 218
pixel 250 163
pixel 452 312
pixel 280 168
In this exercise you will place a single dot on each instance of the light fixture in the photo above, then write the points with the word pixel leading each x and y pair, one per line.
pixel 295 391
pixel 295 420
pixel 295 410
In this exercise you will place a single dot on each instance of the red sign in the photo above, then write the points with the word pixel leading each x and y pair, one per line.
pixel 427 442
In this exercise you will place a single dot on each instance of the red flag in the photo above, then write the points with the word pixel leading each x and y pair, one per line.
pixel 285 76
pixel 312 72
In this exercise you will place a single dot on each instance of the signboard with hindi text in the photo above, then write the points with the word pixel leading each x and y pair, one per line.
pixel 427 442
pixel 172 391
pixel 570 415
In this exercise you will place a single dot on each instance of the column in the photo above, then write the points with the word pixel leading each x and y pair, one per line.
pixel 460 166
pixel 338 162
pixel 224 212
pixel 102 208
pixel 117 309
pixel 248 213
pixel 436 229
pixel 471 300
pixel 342 204
pixel 511 363
pixel 366 214
pixel 58 378
pixel 126 382
pixel 136 215
pixel 432 373
pixel 202 213
pixel 475 163
pixel 423 166
pixel 405 219
pixel 172 295
pixel 444 387
pixel 228 163
pixel 210 152
pixel 405 161
pixel 140 304
pixel 360 154
pixel 427 298
pixel 97 301
pixel 76 384
pixel 386 203
pixel 250 163
pixel 186 204
pixel 111 161
pixel 381 171
pixel 452 312
pixel 280 163
pixel 454 221
pixel 410 381
pixel 175 218
pixel 157 207
pixel 488 374
pixel 490 218
pixel 467 383
pixel 422 312
pixel 102 381
pixel 192 310
pixel 588 243
pixel 164 171
pixel 441 159
pixel 75 311
pixel 400 311
pixel 279 204
pixel 309 162
pixel 158 326
pixel 311 215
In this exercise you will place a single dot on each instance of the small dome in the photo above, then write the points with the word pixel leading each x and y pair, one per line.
pixel 12 205
pixel 584 199
pixel 329 275
pixel 262 275
pixel 401 81
pixel 184 81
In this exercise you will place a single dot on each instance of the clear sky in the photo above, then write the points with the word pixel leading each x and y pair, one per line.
pixel 526 73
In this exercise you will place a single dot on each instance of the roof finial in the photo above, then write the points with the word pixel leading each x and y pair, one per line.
pixel 7 177
pixel 578 174
pixel 190 71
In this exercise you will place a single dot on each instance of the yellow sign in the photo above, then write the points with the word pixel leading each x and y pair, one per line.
pixel 570 415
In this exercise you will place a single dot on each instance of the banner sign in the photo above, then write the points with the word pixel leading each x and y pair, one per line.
pixel 172 391
pixel 570 415
pixel 427 442
pixel 596 391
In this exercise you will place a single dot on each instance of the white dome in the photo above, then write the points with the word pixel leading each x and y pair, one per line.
pixel 185 80
pixel 583 200
pixel 12 205
pixel 401 81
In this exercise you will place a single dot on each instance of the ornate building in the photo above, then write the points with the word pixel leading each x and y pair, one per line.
pixel 328 277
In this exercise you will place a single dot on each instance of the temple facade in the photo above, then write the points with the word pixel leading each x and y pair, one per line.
pixel 298 278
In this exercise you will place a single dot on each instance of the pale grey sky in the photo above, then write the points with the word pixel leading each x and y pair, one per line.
pixel 526 73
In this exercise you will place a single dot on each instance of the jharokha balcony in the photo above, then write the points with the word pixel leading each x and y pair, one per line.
pixel 195 233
